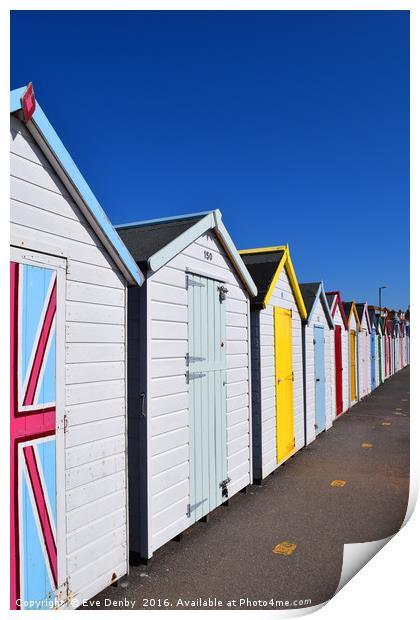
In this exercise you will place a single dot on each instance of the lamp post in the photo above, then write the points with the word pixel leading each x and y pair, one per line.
pixel 380 295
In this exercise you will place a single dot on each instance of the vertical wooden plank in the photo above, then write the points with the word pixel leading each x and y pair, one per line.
pixel 203 381
pixel 212 399
pixel 191 413
pixel 285 436
pixel 338 370
pixel 320 415
pixel 218 387
pixel 222 384
pixel 198 441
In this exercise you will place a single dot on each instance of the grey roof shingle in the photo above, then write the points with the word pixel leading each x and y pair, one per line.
pixel 145 240
pixel 262 267
pixel 309 292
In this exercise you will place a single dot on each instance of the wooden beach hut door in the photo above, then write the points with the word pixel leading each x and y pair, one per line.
pixel 366 358
pixel 285 432
pixel 401 352
pixel 206 378
pixel 389 354
pixel 380 358
pixel 373 359
pixel 319 352
pixel 352 365
pixel 36 442
pixel 338 370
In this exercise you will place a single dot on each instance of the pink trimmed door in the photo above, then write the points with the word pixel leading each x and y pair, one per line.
pixel 33 486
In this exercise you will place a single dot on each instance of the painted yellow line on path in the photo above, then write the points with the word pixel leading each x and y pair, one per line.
pixel 285 548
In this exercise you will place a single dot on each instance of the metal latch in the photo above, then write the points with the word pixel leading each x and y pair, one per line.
pixel 194 375
pixel 222 292
pixel 223 486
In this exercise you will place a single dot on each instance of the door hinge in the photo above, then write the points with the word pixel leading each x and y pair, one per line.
pixel 193 375
pixel 65 423
pixel 194 506
pixel 222 292
pixel 191 359
pixel 223 486
pixel 192 282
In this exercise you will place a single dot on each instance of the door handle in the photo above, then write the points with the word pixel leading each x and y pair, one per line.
pixel 288 378
pixel 143 404
pixel 318 380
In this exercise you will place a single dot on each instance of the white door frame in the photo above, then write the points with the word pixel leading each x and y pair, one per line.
pixel 28 257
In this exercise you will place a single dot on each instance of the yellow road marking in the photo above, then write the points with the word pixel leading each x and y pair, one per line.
pixel 386 423
pixel 285 548
pixel 338 483
pixel 367 445
pixel 398 409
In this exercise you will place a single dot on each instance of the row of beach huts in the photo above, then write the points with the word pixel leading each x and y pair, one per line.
pixel 156 371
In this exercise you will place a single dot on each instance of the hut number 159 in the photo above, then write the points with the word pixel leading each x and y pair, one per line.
pixel 208 255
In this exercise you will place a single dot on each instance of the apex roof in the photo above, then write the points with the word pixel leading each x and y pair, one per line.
pixel 265 266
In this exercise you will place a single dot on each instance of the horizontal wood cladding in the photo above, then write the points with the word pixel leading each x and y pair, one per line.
pixel 45 218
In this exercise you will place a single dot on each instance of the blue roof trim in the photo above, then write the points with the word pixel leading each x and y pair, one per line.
pixel 235 256
pixel 209 220
pixel 63 157
pixel 161 220
pixel 15 97
pixel 174 247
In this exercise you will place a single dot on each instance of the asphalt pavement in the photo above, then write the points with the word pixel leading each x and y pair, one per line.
pixel 231 558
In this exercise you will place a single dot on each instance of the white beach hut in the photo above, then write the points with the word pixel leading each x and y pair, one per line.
pixel 341 348
pixel 318 361
pixel 277 359
pixel 69 276
pixel 189 376
pixel 364 349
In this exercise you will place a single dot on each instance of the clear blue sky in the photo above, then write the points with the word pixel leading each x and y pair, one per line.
pixel 294 123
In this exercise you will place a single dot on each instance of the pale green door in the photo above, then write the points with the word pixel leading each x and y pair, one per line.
pixel 206 377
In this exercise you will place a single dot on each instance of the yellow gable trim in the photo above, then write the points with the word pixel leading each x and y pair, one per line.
pixel 286 262
pixel 354 311
pixel 276 248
